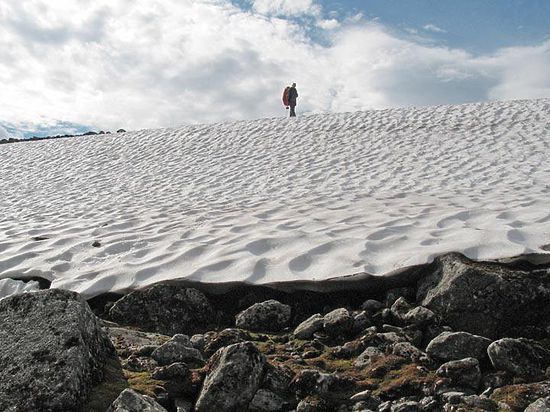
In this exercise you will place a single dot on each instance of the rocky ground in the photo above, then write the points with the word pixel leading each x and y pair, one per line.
pixel 466 336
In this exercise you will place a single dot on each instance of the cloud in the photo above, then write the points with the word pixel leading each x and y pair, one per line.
pixel 434 28
pixel 286 7
pixel 162 63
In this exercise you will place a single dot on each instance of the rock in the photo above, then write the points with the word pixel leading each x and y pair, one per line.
pixel 308 327
pixel 175 370
pixel 224 338
pixel 53 351
pixel 495 380
pixel 484 298
pixel 277 379
pixel 369 355
pixel 372 306
pixel 234 376
pixel 400 307
pixel 420 316
pixel 520 357
pixel 266 401
pixel 131 401
pixel 312 382
pixel 313 404
pixel 464 372
pixel 198 341
pixel 338 322
pixel 177 349
pixel 369 401
pixel 163 308
pixel 361 322
pixel 268 316
pixel 458 345
pixel 406 406
pixel 409 351
pixel 362 406
pixel 540 405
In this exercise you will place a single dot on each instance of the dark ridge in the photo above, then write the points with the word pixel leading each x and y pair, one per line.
pixel 59 136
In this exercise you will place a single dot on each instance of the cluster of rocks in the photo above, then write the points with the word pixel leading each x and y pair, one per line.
pixel 467 336
pixel 59 136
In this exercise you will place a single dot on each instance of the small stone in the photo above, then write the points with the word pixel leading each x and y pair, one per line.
pixel 393 294
pixel 175 370
pixel 369 401
pixel 408 350
pixel 268 316
pixel 177 349
pixel 308 327
pixel 131 401
pixel 96 244
pixel 369 355
pixel 453 398
pixel 419 316
pixel 198 341
pixel 406 406
pixel 182 405
pixel 361 321
pixel 338 322
pixel 400 307
pixel 464 372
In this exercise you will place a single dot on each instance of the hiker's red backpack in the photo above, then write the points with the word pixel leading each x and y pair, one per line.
pixel 285 96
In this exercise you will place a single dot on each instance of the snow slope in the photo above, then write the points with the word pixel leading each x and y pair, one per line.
pixel 278 199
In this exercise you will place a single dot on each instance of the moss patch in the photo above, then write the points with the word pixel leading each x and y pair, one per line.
pixel 143 383
pixel 106 392
pixel 518 397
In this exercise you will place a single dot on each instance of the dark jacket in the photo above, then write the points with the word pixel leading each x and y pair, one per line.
pixel 292 95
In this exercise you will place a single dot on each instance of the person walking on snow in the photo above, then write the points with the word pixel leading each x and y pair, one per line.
pixel 292 96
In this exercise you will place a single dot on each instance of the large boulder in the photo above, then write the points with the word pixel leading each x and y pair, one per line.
pixel 540 405
pixel 448 346
pixel 520 357
pixel 268 316
pixel 131 401
pixel 163 308
pixel 486 299
pixel 234 376
pixel 53 351
pixel 519 397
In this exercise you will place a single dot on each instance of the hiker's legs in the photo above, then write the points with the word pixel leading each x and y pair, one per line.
pixel 292 112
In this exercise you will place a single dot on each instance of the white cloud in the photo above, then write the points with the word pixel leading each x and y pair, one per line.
pixel 160 63
pixel 286 7
pixel 329 24
pixel 434 28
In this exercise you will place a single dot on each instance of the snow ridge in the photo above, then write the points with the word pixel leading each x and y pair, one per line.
pixel 278 199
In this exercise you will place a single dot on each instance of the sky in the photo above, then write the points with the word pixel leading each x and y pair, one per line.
pixel 72 65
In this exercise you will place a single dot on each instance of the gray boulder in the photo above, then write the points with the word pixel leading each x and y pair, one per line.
pixel 163 308
pixel 449 346
pixel 486 299
pixel 419 316
pixel 234 376
pixel 268 316
pixel 520 357
pixel 131 401
pixel 339 322
pixel 541 405
pixel 308 327
pixel 464 372
pixel 53 351
pixel 177 349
